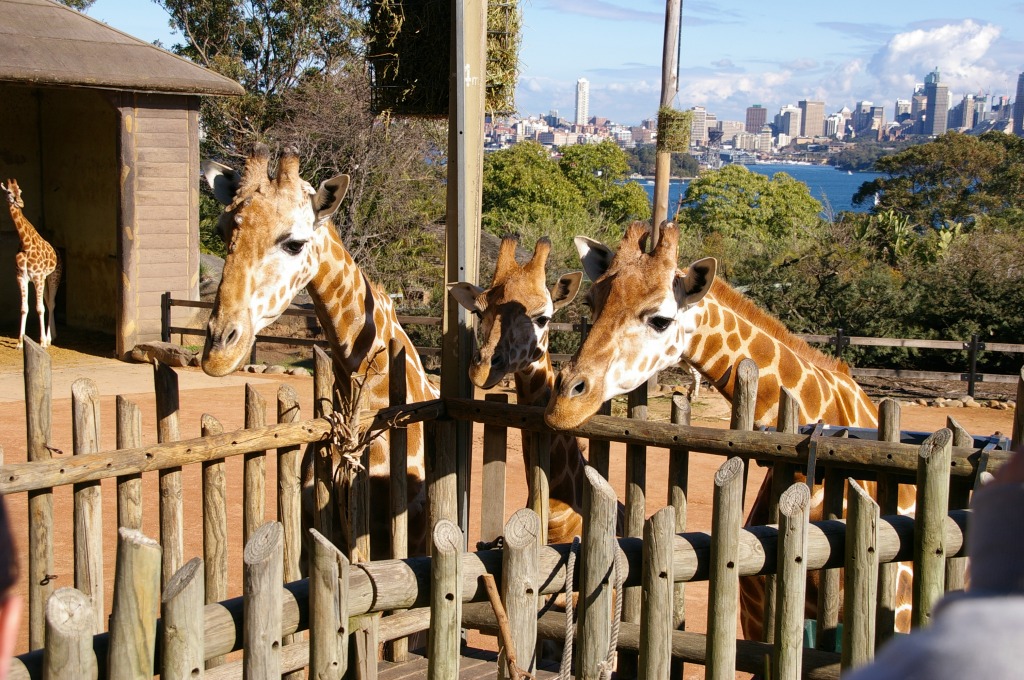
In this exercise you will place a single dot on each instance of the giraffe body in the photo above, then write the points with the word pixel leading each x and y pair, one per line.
pixel 648 316
pixel 281 240
pixel 514 314
pixel 37 263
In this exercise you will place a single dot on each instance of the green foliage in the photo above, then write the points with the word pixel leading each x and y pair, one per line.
pixel 598 172
pixel 642 160
pixel 863 153
pixel 80 5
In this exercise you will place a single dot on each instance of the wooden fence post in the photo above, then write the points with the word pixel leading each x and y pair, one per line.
pixel 289 498
pixel 783 475
pixel 791 593
pixel 861 564
pixel 132 645
pixel 744 405
pixel 254 484
pixel 263 566
pixel 183 640
pixel 888 504
pixel 38 412
pixel 597 559
pixel 599 450
pixel 70 620
pixel 172 518
pixel 445 602
pixel 678 484
pixel 328 610
pixel 323 469
pixel 88 512
pixel 636 510
pixel 929 537
pixel 215 527
pixel 1017 434
pixel 540 479
pixel 656 620
pixel 723 600
pixel 520 587
pixel 959 499
pixel 493 484
pixel 442 490
pixel 129 487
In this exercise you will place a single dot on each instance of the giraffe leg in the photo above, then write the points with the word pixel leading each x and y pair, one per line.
pixel 23 285
pixel 51 298
pixel 40 288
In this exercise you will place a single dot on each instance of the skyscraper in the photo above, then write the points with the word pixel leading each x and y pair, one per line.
pixel 787 121
pixel 698 126
pixel 812 118
pixel 937 108
pixel 757 116
pixel 582 101
pixel 1018 108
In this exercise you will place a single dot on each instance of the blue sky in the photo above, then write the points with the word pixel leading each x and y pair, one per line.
pixel 735 52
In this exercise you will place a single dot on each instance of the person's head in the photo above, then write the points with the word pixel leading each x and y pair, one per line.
pixel 10 601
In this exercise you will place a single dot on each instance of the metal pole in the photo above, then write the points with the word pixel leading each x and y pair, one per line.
pixel 669 88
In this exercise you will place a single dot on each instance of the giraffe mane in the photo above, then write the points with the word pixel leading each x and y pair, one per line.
pixel 745 307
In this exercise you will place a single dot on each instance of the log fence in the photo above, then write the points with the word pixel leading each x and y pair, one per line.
pixel 284 621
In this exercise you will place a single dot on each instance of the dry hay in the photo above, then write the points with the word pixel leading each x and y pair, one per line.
pixel 674 129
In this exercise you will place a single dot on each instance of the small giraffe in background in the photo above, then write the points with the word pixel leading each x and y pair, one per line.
pixel 37 262
pixel 514 315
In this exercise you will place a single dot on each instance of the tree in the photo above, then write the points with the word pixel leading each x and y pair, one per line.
pixel 522 184
pixel 599 172
pixel 642 157
pixel 80 5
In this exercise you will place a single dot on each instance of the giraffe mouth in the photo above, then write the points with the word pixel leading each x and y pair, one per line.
pixel 227 346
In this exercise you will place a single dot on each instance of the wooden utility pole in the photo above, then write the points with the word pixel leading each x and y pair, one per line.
pixel 669 88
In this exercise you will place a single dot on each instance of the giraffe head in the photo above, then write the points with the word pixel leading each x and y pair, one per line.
pixel 514 312
pixel 270 225
pixel 13 192
pixel 643 309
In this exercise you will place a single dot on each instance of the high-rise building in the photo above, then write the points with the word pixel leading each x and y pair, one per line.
pixel 787 121
pixel 730 128
pixel 757 116
pixel 582 101
pixel 698 126
pixel 902 110
pixel 1018 108
pixel 936 114
pixel 812 118
pixel 963 115
pixel 764 139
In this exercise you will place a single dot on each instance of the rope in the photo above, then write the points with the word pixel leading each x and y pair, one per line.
pixel 606 667
pixel 570 625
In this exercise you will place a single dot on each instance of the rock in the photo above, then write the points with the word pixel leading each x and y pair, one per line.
pixel 166 353
pixel 994 403
pixel 275 370
pixel 254 368
pixel 972 404
pixel 954 403
pixel 298 370
pixel 921 402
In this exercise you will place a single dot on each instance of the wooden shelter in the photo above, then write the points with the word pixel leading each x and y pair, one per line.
pixel 101 130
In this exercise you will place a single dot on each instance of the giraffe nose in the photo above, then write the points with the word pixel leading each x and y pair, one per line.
pixel 227 336
pixel 497 362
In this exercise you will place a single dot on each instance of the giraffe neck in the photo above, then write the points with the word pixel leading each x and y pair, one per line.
pixel 359 321
pixel 730 328
pixel 26 232
pixel 533 388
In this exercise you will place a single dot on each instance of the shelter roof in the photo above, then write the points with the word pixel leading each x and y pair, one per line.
pixel 46 43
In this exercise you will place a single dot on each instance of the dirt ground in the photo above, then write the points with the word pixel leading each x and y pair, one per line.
pixel 224 399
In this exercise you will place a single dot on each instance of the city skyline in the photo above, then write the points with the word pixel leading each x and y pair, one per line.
pixel 732 55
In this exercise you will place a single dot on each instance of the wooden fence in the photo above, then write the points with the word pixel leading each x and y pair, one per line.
pixel 285 620
pixel 839 342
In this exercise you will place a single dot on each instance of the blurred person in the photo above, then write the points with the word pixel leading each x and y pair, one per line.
pixel 10 602
pixel 977 633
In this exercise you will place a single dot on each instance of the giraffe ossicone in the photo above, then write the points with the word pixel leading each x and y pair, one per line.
pixel 36 262
pixel 281 239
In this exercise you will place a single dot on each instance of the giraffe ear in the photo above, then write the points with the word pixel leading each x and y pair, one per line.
pixel 222 179
pixel 329 196
pixel 565 289
pixel 692 286
pixel 467 295
pixel 595 256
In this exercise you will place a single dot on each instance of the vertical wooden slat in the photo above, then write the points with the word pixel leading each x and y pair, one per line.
pixel 254 484
pixel 540 479
pixel 828 584
pixel 445 601
pixel 656 620
pixel 599 455
pixel 289 499
pixel 636 511
pixel 172 520
pixel 723 600
pixel 137 579
pixel 38 398
pixel 129 487
pixel 744 404
pixel 323 469
pixel 678 487
pixel 88 512
pixel 930 515
pixel 493 490
pixel 959 498
pixel 398 441
pixel 215 527
pixel 794 513
pixel 328 610
pixel 182 619
pixel 782 475
pixel 597 556
pixel 888 504
pixel 520 587
pixel 263 566
pixel 1017 434
pixel 442 491
pixel 861 577
pixel 70 619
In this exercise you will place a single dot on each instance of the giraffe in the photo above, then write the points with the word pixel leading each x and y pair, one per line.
pixel 37 262
pixel 648 315
pixel 514 314
pixel 280 239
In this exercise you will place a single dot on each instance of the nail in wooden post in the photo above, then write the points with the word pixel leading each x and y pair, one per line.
pixel 861 577
pixel 38 412
pixel 445 602
pixel 656 622
pixel 70 619
pixel 129 487
pixel 183 634
pixel 132 646
pixel 520 587
pixel 172 518
pixel 88 511
pixel 929 517
pixel 597 555
pixel 723 601
pixel 263 566
pixel 794 513
pixel 328 610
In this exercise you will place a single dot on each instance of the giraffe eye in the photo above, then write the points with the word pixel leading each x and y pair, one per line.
pixel 542 321
pixel 659 323
pixel 293 247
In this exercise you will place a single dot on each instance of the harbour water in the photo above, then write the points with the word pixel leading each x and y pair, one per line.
pixel 831 187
